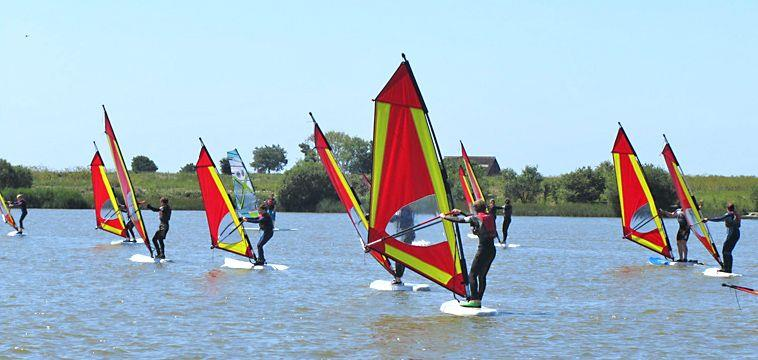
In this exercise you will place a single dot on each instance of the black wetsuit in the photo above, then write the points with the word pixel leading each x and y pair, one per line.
pixel 483 225
pixel 266 224
pixel 684 228
pixel 404 221
pixel 164 216
pixel 129 227
pixel 21 204
pixel 732 223
pixel 507 212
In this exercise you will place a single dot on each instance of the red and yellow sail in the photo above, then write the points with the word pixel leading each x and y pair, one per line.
pixel 103 197
pixel 125 182
pixel 407 173
pixel 467 194
pixel 477 190
pixel 345 192
pixel 687 202
pixel 6 213
pixel 219 209
pixel 640 220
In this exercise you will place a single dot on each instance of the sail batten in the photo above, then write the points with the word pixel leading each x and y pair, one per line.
pixel 125 182
pixel 103 197
pixel 640 220
pixel 408 184
pixel 688 204
pixel 223 220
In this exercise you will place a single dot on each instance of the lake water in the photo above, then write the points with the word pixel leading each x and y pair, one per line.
pixel 573 289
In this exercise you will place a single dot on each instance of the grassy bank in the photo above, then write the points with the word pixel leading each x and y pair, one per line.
pixel 73 190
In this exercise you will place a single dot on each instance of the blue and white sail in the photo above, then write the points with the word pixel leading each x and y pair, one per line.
pixel 244 191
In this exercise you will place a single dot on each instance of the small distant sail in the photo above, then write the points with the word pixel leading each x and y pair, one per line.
pixel 640 220
pixel 407 183
pixel 467 194
pixel 127 190
pixel 477 190
pixel 105 200
pixel 345 193
pixel 226 230
pixel 6 213
pixel 688 203
pixel 244 191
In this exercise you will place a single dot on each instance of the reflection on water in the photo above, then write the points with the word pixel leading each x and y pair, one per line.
pixel 573 289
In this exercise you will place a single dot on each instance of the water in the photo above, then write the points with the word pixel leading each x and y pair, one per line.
pixel 574 289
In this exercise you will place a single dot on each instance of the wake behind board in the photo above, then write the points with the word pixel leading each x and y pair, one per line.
pixel 144 259
pixel 714 272
pixel 15 233
pixel 507 246
pixel 126 242
pixel 246 265
pixel 452 307
pixel 663 262
pixel 386 285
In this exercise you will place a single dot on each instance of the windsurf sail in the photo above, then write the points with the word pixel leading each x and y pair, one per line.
pixel 467 194
pixel 244 191
pixel 640 220
pixel 687 202
pixel 6 213
pixel 741 288
pixel 104 199
pixel 477 190
pixel 226 230
pixel 127 190
pixel 345 193
pixel 407 183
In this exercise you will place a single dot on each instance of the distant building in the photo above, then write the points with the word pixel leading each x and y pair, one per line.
pixel 489 163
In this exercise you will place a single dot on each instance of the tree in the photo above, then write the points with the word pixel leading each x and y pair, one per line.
pixel 304 186
pixel 582 185
pixel 661 187
pixel 226 168
pixel 525 186
pixel 269 158
pixel 14 176
pixel 352 153
pixel 141 163
pixel 188 168
pixel 754 197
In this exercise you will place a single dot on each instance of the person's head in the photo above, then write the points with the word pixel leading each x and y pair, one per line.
pixel 480 206
pixel 507 201
pixel 492 202
pixel 19 196
pixel 164 200
pixel 262 209
pixel 272 195
pixel 730 207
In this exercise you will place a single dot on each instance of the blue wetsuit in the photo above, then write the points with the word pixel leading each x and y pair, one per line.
pixel 266 224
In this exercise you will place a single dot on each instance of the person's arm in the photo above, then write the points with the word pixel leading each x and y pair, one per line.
pixel 718 219
pixel 669 214
pixel 252 220
pixel 453 216
pixel 154 209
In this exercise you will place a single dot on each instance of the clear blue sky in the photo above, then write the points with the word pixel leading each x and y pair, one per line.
pixel 533 82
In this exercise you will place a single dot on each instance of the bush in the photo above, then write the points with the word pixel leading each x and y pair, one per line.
pixel 14 176
pixel 226 168
pixel 582 185
pixel 304 186
pixel 143 163
pixel 188 168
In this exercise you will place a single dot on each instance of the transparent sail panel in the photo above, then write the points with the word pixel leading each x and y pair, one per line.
pixel 228 231
pixel 359 226
pixel 417 223
pixel 642 220
pixel 690 215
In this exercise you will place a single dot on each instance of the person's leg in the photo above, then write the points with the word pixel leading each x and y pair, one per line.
pixel 684 247
pixel 156 243
pixel 483 275
pixel 261 242
pixel 164 232
pixel 680 244
pixel 21 220
pixel 506 225
pixel 473 275
pixel 727 252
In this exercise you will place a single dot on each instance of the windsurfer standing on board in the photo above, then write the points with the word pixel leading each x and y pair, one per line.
pixel 164 215
pixel 404 221
pixel 266 224
pixel 21 204
pixel 129 227
pixel 732 220
pixel 683 234
pixel 483 225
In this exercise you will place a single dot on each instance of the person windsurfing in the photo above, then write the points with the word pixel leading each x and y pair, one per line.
pixel 683 234
pixel 266 224
pixel 129 227
pixel 404 220
pixel 492 209
pixel 21 204
pixel 732 220
pixel 483 225
pixel 164 215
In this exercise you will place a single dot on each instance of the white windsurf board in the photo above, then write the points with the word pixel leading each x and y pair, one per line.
pixel 15 233
pixel 144 259
pixel 714 272
pixel 452 307
pixel 246 265
pixel 507 246
pixel 124 242
pixel 386 285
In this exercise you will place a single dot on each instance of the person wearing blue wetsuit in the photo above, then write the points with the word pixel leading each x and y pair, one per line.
pixel 732 220
pixel 405 221
pixel 21 204
pixel 271 206
pixel 266 224
pixel 483 225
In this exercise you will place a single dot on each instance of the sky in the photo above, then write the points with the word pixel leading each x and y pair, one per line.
pixel 533 83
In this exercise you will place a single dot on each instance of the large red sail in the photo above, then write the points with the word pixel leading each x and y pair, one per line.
pixel 477 190
pixel 688 204
pixel 407 179
pixel 125 182
pixel 640 220
pixel 467 194
pixel 104 198
pixel 345 193
pixel 218 207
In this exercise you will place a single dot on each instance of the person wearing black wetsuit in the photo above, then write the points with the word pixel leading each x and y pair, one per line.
pixel 683 234
pixel 21 204
pixel 483 225
pixel 507 212
pixel 266 224
pixel 404 221
pixel 732 220
pixel 164 215
pixel 492 210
